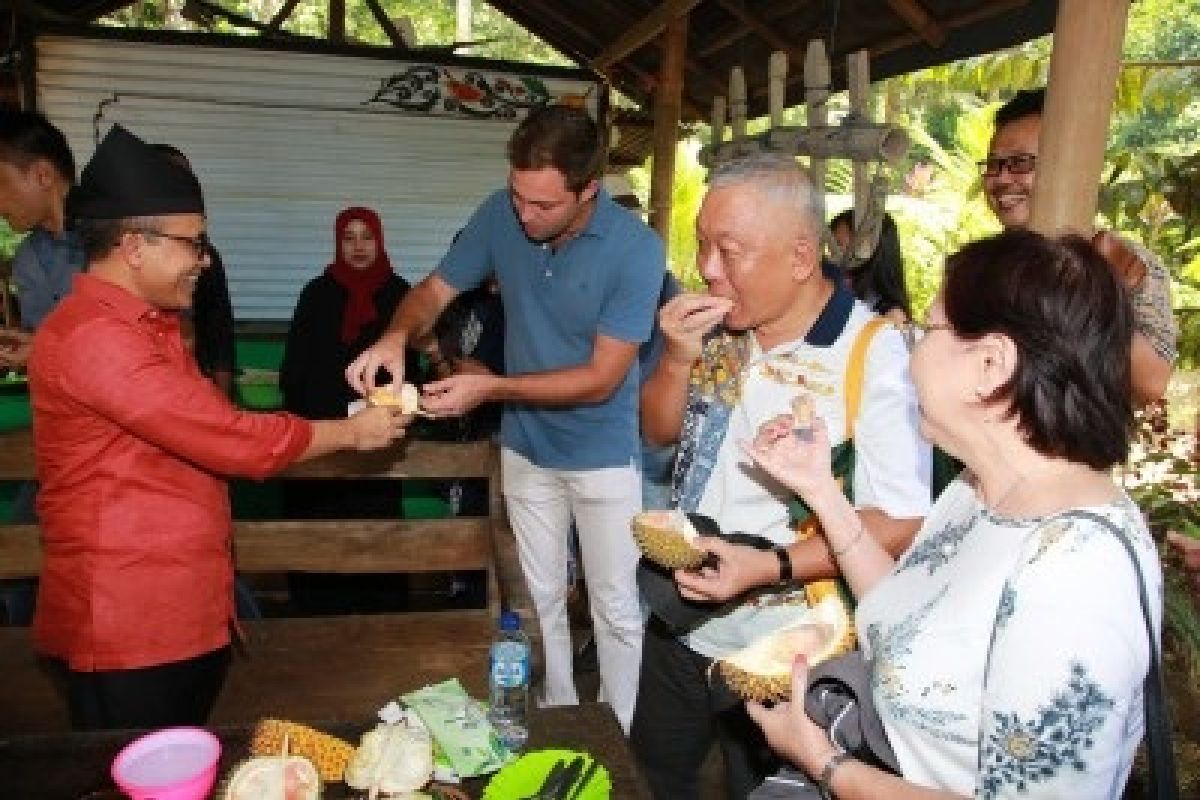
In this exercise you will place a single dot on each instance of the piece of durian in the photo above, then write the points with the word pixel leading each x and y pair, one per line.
pixel 273 778
pixel 329 753
pixel 665 537
pixel 396 759
pixel 763 670
pixel 408 398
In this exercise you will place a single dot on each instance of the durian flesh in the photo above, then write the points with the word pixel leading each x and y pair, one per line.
pixel 763 670
pixel 272 778
pixel 665 537
pixel 397 759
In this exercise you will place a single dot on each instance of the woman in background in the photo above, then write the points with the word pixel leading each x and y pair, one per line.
pixel 878 281
pixel 340 312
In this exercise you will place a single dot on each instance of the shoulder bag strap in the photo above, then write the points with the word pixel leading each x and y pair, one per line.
pixel 1163 784
pixel 856 369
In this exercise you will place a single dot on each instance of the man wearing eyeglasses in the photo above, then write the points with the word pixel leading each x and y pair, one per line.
pixel 1008 174
pixel 132 443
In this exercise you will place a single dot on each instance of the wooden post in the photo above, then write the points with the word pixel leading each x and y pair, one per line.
pixel 777 73
pixel 816 92
pixel 737 103
pixel 668 103
pixel 717 121
pixel 337 21
pixel 858 82
pixel 1084 68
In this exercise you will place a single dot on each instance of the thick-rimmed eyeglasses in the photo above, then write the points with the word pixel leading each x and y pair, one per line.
pixel 1019 164
pixel 914 330
pixel 201 246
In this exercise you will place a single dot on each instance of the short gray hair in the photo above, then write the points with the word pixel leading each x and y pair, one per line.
pixel 779 176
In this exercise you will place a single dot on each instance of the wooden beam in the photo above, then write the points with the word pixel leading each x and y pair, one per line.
pixel 920 21
pixel 668 96
pixel 718 41
pixel 642 32
pixel 386 23
pixel 765 31
pixel 413 458
pixel 282 14
pixel 315 545
pixel 1084 67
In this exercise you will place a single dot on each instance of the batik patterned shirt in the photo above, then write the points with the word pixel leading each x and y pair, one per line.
pixel 1055 710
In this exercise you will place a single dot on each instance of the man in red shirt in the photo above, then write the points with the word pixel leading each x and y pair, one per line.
pixel 132 447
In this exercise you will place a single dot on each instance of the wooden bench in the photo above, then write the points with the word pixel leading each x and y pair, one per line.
pixel 341 667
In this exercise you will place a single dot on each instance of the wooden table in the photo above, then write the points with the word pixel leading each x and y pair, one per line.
pixel 69 766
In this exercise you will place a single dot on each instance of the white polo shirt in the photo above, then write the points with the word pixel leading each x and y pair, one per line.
pixel 892 461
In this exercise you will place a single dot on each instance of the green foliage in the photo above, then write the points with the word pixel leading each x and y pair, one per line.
pixel 8 241
pixel 433 23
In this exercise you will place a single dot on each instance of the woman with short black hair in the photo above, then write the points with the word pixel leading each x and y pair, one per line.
pixel 1007 646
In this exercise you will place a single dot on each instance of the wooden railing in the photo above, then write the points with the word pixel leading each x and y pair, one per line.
pixel 341 667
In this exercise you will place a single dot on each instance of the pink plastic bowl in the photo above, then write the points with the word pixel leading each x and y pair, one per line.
pixel 171 764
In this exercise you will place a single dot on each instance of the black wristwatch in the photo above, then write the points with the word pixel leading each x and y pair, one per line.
pixel 785 563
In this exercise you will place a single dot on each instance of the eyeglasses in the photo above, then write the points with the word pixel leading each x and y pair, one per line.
pixel 915 331
pixel 1019 164
pixel 201 245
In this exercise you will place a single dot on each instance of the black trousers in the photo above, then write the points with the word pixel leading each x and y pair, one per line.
pixel 677 717
pixel 177 693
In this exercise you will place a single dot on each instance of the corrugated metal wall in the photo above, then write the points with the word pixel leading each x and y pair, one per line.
pixel 281 142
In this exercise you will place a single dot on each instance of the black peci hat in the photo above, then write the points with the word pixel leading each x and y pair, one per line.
pixel 127 177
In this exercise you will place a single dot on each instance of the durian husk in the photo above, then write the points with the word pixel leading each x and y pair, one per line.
pixel 763 670
pixel 664 537
pixel 329 753
pixel 272 777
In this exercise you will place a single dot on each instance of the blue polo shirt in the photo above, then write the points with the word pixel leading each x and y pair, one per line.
pixel 606 280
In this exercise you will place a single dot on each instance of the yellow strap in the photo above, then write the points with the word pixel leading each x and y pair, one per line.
pixel 856 369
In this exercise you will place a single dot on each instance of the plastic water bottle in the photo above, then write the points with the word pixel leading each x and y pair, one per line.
pixel 508 683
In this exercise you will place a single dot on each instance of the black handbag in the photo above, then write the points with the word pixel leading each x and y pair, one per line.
pixel 839 700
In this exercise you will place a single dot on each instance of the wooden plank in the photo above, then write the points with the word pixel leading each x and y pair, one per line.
pixel 20 551
pixel 349 546
pixel 912 12
pixel 433 545
pixel 16 455
pixel 405 459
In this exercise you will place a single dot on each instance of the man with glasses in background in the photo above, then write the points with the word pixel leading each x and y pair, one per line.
pixel 132 443
pixel 1008 176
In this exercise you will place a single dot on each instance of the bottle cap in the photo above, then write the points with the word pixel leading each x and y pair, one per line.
pixel 510 621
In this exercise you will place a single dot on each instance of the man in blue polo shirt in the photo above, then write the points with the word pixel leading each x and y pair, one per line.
pixel 579 278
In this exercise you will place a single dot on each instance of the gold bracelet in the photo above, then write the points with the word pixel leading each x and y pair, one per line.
pixel 862 529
